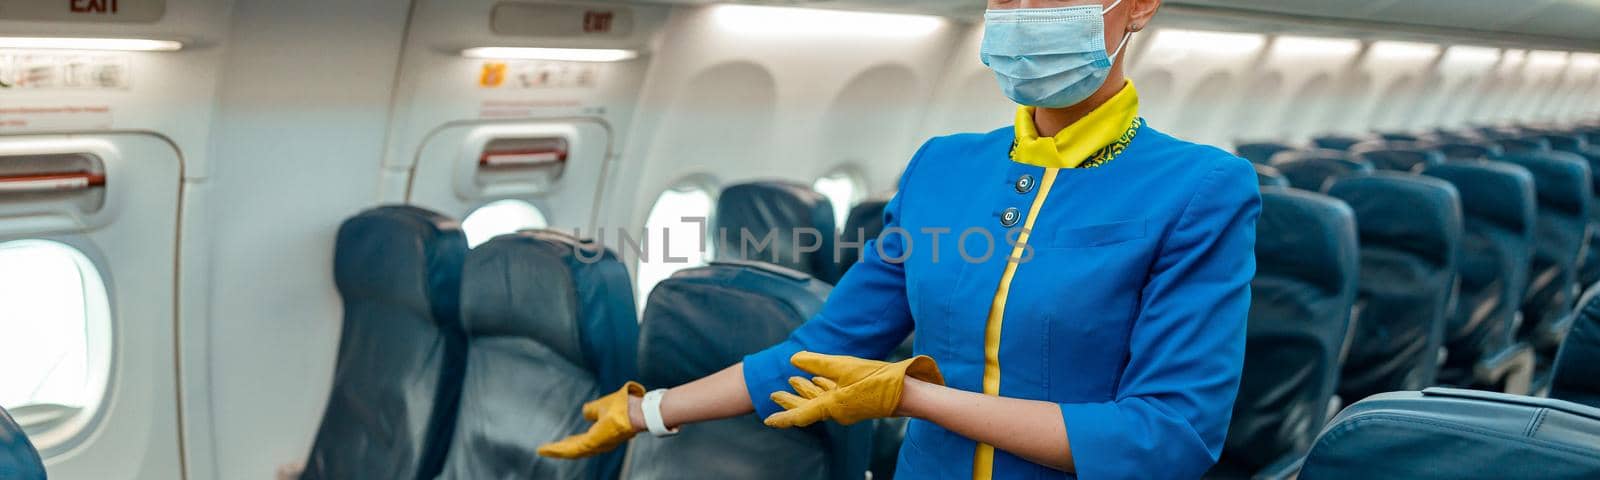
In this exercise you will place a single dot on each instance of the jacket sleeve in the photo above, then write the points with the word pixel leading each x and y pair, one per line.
pixel 866 315
pixel 1171 411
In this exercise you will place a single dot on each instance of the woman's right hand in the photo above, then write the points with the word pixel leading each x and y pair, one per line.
pixel 613 425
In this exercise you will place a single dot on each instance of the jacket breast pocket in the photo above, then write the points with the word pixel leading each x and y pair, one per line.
pixel 1098 235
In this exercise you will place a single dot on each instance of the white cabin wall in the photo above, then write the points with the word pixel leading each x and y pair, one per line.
pixel 299 137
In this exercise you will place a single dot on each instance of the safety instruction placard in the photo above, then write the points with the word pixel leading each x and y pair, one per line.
pixel 528 75
pixel 29 71
pixel 54 117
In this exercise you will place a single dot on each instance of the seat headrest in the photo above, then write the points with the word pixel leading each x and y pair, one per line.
pixel 1399 137
pixel 753 211
pixel 1261 152
pixel 570 295
pixel 1498 192
pixel 1398 156
pixel 1565 142
pixel 1520 145
pixel 18 459
pixel 1416 214
pixel 1270 177
pixel 1309 237
pixel 1337 142
pixel 1577 368
pixel 1562 179
pixel 1468 150
pixel 404 256
pixel 702 320
pixel 1311 170
pixel 1458 434
pixel 864 223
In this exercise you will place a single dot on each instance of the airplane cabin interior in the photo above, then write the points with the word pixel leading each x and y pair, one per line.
pixel 378 239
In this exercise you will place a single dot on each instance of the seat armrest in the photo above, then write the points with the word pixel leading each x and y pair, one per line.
pixel 1511 368
pixel 1286 468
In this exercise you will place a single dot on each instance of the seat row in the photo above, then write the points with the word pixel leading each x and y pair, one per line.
pixel 459 364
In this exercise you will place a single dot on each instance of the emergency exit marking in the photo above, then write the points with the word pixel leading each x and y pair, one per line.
pixel 493 75
pixel 93 6
pixel 598 21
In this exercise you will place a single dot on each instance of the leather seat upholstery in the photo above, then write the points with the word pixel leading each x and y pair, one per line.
pixel 1410 229
pixel 1463 150
pixel 1577 368
pixel 1271 177
pixel 702 320
pixel 1398 156
pixel 775 222
pixel 1565 193
pixel 1523 144
pixel 864 223
pixel 1501 212
pixel 18 459
pixel 401 352
pixel 551 324
pixel 1461 435
pixel 1261 153
pixel 1337 142
pixel 1302 295
pixel 1312 170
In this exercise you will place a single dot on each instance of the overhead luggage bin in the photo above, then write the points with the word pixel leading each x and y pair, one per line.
pixel 705 319
pixel 1302 295
pixel 1410 229
pixel 401 351
pixel 550 324
pixel 1460 435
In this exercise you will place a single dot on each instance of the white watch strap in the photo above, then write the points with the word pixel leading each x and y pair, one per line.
pixel 652 414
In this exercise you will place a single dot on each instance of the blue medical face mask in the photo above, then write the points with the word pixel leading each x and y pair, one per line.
pixel 1049 57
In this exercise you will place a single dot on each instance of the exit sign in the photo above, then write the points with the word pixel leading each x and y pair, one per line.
pixel 102 11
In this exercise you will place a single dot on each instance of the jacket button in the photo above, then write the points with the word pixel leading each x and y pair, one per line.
pixel 1025 184
pixel 1010 217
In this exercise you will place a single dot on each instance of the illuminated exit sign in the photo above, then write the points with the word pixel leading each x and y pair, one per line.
pixel 111 11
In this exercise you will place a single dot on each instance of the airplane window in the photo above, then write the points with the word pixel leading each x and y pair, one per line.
pixel 666 228
pixel 499 218
pixel 843 191
pixel 56 319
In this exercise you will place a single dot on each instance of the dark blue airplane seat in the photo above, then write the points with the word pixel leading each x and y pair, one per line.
pixel 1337 141
pixel 1589 272
pixel 401 352
pixel 1270 177
pixel 1523 145
pixel 1563 142
pixel 777 222
pixel 1442 433
pixel 1464 150
pixel 18 459
pixel 864 223
pixel 1302 295
pixel 1577 369
pixel 1399 137
pixel 1397 156
pixel 1501 213
pixel 551 324
pixel 1261 153
pixel 702 320
pixel 1410 229
pixel 1312 170
pixel 1565 194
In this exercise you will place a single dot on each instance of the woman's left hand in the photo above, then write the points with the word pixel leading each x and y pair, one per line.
pixel 847 389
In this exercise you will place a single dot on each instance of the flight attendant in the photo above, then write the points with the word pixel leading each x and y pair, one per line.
pixel 1104 339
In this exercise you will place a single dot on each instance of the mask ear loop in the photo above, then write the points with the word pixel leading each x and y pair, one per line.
pixel 1125 38
pixel 1110 8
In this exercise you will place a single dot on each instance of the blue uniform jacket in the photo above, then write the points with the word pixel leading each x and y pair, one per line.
pixel 1130 313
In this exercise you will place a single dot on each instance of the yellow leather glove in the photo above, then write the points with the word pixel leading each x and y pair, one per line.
pixel 611 426
pixel 847 389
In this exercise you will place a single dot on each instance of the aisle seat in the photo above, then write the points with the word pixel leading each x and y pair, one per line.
pixel 551 324
pixel 778 222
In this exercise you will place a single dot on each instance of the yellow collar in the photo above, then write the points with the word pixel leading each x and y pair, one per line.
pixel 1076 143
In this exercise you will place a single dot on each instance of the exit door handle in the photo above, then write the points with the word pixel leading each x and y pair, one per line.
pixel 50 182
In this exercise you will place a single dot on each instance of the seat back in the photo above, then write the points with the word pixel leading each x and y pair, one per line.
pixel 777 222
pixel 1399 137
pixel 1500 210
pixel 1261 152
pixel 1270 177
pixel 1577 368
pixel 401 352
pixel 1460 435
pixel 1461 150
pixel 1410 228
pixel 18 459
pixel 1306 251
pixel 551 324
pixel 1521 145
pixel 1398 156
pixel 1313 169
pixel 703 320
pixel 1563 142
pixel 1337 142
pixel 864 223
pixel 1565 196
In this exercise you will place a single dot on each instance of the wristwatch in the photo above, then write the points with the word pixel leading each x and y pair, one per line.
pixel 652 414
